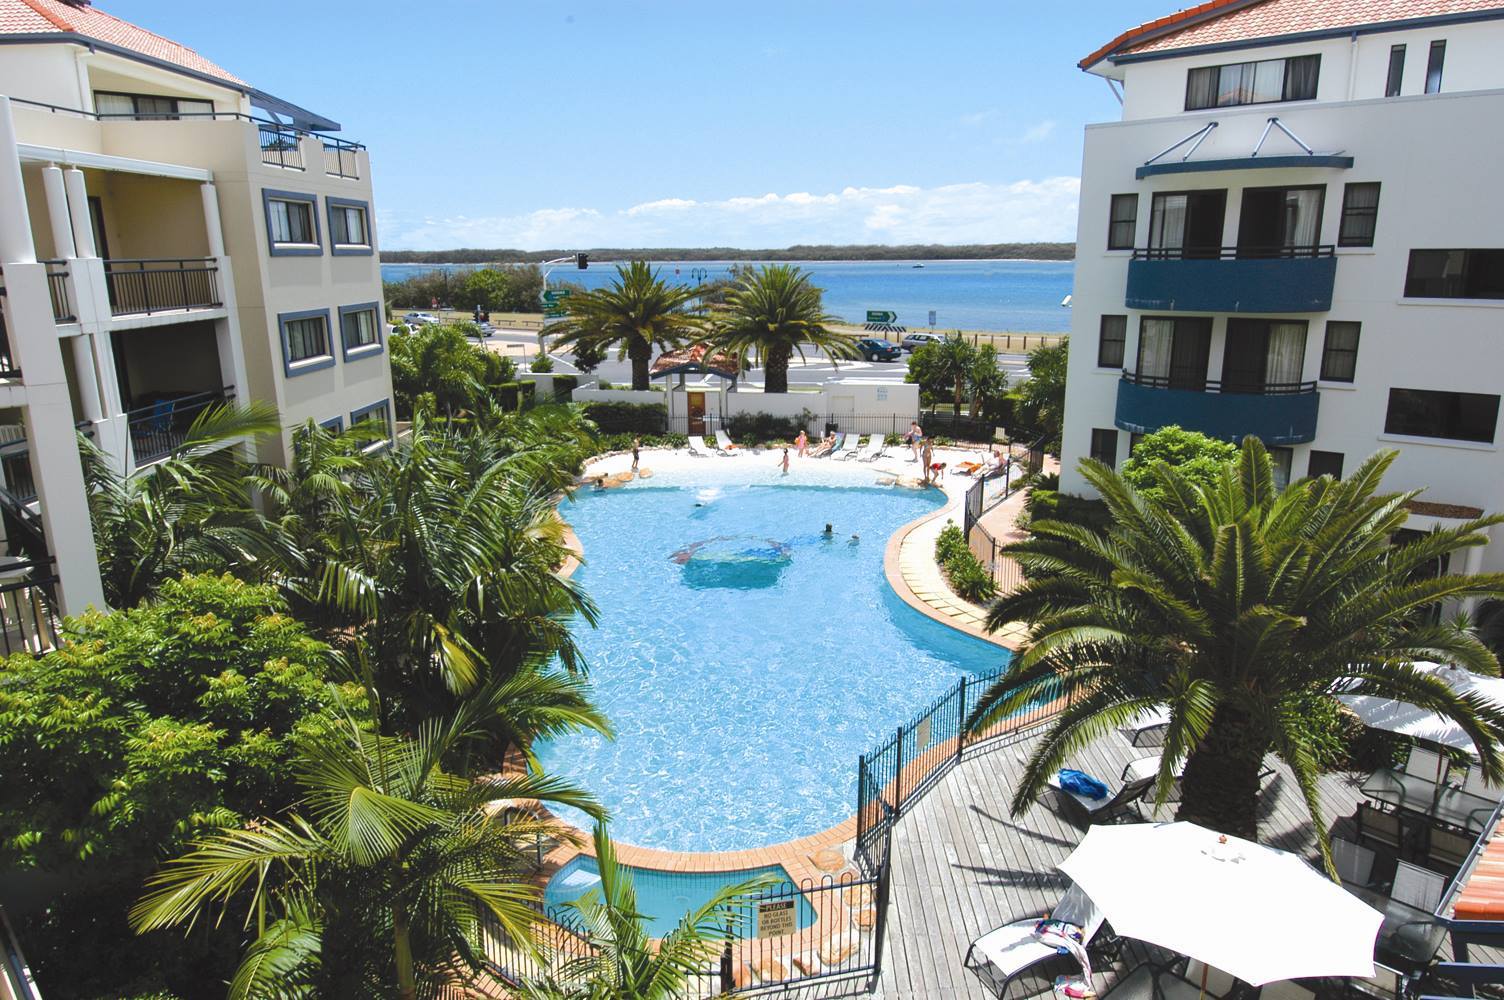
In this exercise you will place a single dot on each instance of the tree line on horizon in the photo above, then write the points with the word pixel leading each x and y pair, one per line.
pixel 799 252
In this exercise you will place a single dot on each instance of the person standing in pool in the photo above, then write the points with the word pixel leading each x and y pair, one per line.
pixel 636 452
pixel 785 462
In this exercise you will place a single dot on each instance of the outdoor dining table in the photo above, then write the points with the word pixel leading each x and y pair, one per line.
pixel 1143 984
pixel 1415 794
pixel 1409 937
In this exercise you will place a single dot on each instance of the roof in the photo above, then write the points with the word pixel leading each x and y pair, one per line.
pixel 55 17
pixel 694 359
pixel 1225 22
pixel 1482 895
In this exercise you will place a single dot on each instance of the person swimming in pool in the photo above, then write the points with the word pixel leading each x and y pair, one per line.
pixel 785 462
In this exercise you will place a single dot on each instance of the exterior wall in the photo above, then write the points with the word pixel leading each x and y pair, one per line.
pixel 1436 163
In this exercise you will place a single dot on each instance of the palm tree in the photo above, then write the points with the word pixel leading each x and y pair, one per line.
pixel 953 359
pixel 624 962
pixel 189 513
pixel 393 848
pixel 984 379
pixel 1237 606
pixel 773 312
pixel 636 314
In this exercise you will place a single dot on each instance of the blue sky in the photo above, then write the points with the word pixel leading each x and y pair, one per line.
pixel 575 123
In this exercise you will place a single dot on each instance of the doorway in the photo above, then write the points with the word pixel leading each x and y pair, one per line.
pixel 696 413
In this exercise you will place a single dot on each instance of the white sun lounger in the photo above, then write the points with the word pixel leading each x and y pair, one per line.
pixel 697 447
pixel 853 448
pixel 1004 954
pixel 835 447
pixel 876 448
pixel 724 445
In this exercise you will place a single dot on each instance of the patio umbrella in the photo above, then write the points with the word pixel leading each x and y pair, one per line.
pixel 1256 913
pixel 1420 723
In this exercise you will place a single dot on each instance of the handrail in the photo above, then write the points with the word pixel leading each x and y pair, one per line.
pixel 1217 386
pixel 1235 253
pixel 205 115
pixel 135 288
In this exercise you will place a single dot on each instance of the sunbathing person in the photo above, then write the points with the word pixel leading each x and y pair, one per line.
pixel 824 447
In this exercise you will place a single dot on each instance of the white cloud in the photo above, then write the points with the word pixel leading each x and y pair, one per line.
pixel 976 118
pixel 1038 132
pixel 955 213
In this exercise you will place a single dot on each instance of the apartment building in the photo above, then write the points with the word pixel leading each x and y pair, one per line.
pixel 171 237
pixel 1293 232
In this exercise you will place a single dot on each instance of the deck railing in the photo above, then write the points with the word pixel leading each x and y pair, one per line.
pixel 152 285
pixel 28 617
pixel 340 159
pixel 57 288
pixel 1305 251
pixel 161 428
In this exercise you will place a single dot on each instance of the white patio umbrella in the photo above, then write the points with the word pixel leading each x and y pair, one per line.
pixel 1259 914
pixel 1420 723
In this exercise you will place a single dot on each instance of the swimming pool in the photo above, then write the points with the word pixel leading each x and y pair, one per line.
pixel 745 658
pixel 664 897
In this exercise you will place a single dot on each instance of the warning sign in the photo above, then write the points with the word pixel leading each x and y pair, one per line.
pixel 776 917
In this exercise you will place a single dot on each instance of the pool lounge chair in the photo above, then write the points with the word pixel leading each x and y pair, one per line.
pixel 877 447
pixel 725 446
pixel 853 449
pixel 697 446
pixel 1011 961
pixel 1137 780
pixel 835 447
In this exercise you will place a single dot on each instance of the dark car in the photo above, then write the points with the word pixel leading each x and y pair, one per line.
pixel 878 350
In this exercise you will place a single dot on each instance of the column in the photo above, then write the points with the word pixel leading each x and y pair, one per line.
pixel 57 212
pixel 78 209
pixel 16 246
pixel 88 378
pixel 212 226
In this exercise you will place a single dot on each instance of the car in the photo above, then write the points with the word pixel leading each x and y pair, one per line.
pixel 878 350
pixel 914 340
pixel 419 319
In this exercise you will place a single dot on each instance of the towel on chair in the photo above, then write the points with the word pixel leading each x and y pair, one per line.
pixel 1080 783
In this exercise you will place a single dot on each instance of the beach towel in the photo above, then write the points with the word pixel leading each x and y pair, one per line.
pixel 1080 783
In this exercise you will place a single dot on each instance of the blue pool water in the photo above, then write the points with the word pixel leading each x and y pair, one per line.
pixel 744 660
pixel 664 897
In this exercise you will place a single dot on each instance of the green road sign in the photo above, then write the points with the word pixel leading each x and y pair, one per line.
pixel 881 316
pixel 552 313
pixel 552 296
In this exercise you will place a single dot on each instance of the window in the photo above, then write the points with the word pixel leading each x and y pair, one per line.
pixel 1186 224
pixel 1433 66
pixel 1110 341
pixel 148 107
pixel 349 226
pixel 1360 214
pixel 1396 71
pixel 1173 352
pixel 1325 463
pixel 305 341
pixel 1455 274
pixel 1263 356
pixel 1123 222
pixel 1280 221
pixel 1283 459
pixel 1104 446
pixel 292 225
pixel 1339 355
pixel 379 412
pixel 1458 416
pixel 1262 82
pixel 360 328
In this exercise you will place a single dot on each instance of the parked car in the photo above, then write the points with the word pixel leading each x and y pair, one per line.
pixel 913 340
pixel 878 350
pixel 419 319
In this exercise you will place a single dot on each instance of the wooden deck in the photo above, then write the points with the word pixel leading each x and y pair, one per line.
pixel 962 865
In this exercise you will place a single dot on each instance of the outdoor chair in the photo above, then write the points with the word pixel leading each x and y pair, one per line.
pixel 1447 849
pixel 724 445
pixel 1417 887
pixel 854 450
pixel 877 447
pixel 835 447
pixel 697 447
pixel 1157 982
pixel 1136 781
pixel 1473 782
pixel 1379 827
pixel 1012 962
pixel 1354 862
pixel 1147 729
pixel 1385 982
pixel 1426 764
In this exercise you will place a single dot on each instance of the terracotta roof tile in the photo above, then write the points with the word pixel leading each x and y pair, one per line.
pixel 39 17
pixel 1482 896
pixel 1223 21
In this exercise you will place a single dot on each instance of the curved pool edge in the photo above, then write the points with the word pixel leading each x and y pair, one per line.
pixel 796 856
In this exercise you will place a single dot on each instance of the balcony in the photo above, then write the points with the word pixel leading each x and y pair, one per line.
pixel 138 287
pixel 158 430
pixel 1232 279
pixel 1281 414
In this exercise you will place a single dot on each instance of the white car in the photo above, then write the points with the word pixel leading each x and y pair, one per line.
pixel 913 340
pixel 419 319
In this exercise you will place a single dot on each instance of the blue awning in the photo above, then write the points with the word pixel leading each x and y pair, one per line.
pixel 1330 162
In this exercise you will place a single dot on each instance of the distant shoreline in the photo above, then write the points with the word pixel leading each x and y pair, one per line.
pixel 750 260
pixel 805 254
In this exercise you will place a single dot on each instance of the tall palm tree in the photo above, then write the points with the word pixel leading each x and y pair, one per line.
pixel 394 847
pixel 637 313
pixel 952 360
pixel 1237 606
pixel 773 312
pixel 189 513
pixel 625 963
pixel 984 379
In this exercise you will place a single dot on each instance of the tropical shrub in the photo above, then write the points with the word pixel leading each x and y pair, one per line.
pixel 542 364
pixel 627 418
pixel 1197 459
pixel 965 572
pixel 757 428
pixel 564 387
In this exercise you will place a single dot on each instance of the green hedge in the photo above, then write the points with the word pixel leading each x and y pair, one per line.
pixel 564 387
pixel 757 428
pixel 515 395
pixel 623 442
pixel 967 576
pixel 628 418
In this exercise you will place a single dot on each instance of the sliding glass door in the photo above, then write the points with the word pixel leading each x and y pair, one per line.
pixel 1187 224
pixel 1280 222
pixel 1263 356
pixel 1173 352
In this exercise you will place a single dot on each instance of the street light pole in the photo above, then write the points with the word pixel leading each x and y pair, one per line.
pixel 580 261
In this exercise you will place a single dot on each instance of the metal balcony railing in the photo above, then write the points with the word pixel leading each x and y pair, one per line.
pixel 1214 385
pixel 340 159
pixel 159 429
pixel 57 287
pixel 1235 253
pixel 8 367
pixel 280 146
pixel 156 285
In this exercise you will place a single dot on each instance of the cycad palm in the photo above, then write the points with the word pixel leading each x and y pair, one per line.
pixel 772 313
pixel 392 844
pixel 189 513
pixel 1237 606
pixel 637 313
pixel 624 962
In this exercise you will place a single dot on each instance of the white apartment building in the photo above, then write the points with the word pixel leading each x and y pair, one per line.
pixel 170 237
pixel 1294 232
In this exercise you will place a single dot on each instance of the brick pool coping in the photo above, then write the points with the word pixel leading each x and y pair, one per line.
pixel 797 856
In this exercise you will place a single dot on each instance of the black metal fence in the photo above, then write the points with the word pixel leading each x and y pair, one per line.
pixel 159 429
pixel 57 288
pixel 789 935
pixel 280 146
pixel 340 159
pixel 155 285
pixel 28 617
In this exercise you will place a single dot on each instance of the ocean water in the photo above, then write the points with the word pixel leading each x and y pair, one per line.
pixel 744 658
pixel 1001 295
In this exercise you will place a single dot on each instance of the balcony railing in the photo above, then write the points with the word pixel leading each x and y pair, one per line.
pixel 280 146
pixel 160 429
pixel 340 159
pixel 57 287
pixel 8 367
pixel 1232 279
pixel 157 285
pixel 1278 413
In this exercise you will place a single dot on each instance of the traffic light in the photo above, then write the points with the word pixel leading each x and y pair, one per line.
pixel 582 260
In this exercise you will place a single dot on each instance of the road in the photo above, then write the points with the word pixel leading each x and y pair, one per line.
pixel 522 346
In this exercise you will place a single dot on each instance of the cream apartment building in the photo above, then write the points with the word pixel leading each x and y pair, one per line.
pixel 1292 233
pixel 171 237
